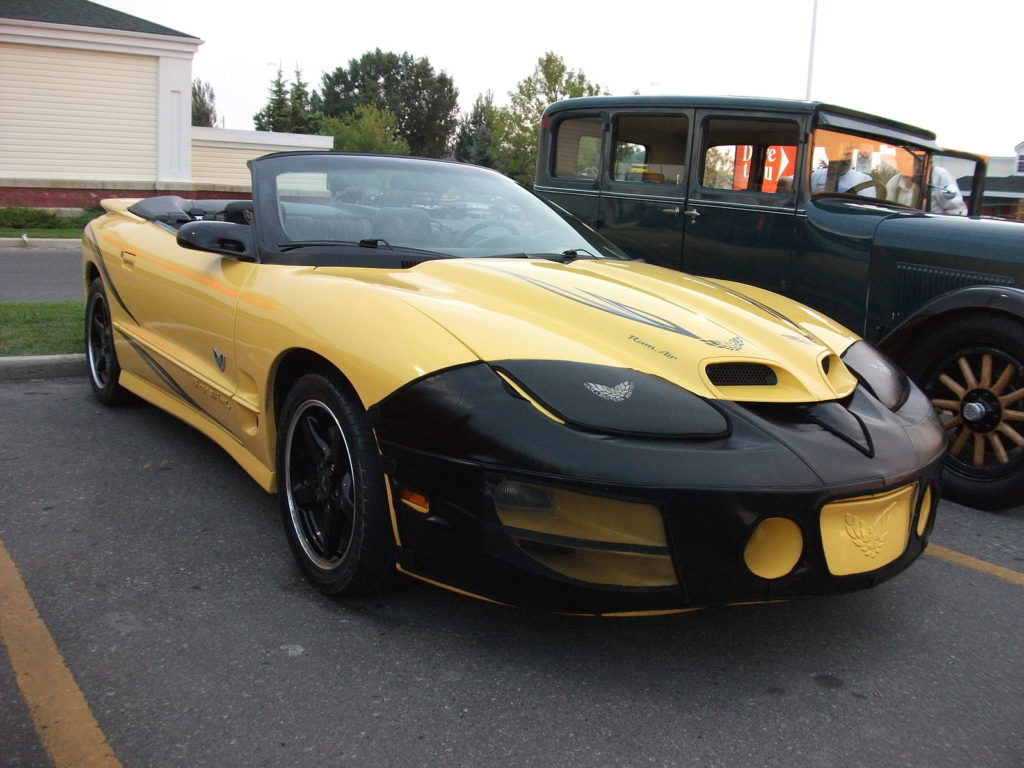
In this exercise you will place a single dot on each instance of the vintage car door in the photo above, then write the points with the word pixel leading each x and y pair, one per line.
pixel 644 184
pixel 182 317
pixel 739 218
pixel 570 169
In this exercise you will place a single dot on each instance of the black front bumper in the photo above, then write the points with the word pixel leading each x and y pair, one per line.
pixel 458 438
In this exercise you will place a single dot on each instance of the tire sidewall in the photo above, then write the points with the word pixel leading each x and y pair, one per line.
pixel 109 392
pixel 369 558
pixel 1002 335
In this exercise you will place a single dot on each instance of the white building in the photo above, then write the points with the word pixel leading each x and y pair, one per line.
pixel 97 103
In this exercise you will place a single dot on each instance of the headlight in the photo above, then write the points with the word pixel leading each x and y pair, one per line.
pixel 880 375
pixel 601 398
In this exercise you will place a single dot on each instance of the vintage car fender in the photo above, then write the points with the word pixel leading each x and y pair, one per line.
pixel 984 262
pixel 1007 300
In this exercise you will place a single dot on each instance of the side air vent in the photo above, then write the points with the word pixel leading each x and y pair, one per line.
pixel 741 375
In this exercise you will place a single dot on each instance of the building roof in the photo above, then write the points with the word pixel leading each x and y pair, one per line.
pixel 1004 184
pixel 81 13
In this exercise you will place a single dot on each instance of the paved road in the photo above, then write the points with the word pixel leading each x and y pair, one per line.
pixel 40 274
pixel 162 573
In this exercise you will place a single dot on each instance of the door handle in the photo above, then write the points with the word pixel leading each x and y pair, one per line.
pixel 692 214
pixel 671 211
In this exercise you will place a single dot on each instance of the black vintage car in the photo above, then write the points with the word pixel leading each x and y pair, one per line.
pixel 858 216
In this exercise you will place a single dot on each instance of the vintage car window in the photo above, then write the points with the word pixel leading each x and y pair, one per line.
pixel 749 154
pixel 578 148
pixel 650 149
pixel 441 208
pixel 945 190
pixel 845 163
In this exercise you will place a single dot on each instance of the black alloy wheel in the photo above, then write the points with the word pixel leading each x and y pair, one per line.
pixel 101 356
pixel 333 502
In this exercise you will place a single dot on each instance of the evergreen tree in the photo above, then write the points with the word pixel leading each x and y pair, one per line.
pixel 204 112
pixel 301 118
pixel 276 115
pixel 476 140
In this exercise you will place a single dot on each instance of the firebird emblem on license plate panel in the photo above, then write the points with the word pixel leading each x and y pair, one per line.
pixel 869 538
pixel 220 359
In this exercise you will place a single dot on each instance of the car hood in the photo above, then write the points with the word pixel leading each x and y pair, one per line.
pixel 958 237
pixel 631 315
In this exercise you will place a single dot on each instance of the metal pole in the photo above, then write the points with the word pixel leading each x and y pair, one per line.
pixel 810 58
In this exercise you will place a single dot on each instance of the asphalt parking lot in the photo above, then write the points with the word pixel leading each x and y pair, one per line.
pixel 161 574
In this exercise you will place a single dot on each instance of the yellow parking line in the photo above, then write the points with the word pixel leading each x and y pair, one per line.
pixel 62 717
pixel 951 555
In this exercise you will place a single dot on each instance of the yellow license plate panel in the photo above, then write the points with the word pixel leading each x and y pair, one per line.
pixel 863 534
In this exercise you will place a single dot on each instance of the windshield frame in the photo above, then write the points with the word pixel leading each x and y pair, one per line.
pixel 914 141
pixel 307 212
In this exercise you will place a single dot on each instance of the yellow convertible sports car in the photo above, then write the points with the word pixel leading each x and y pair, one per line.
pixel 444 376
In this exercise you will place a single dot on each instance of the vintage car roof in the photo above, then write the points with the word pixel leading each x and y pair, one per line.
pixel 759 103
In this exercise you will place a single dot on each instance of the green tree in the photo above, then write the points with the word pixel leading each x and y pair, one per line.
pixel 204 111
pixel 719 168
pixel 424 104
pixel 476 140
pixel 519 124
pixel 365 129
pixel 276 115
pixel 301 118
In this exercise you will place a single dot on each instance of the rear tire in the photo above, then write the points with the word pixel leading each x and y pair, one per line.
pixel 100 353
pixel 973 371
pixel 333 501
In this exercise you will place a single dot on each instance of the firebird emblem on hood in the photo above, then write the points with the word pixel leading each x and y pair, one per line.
pixel 616 394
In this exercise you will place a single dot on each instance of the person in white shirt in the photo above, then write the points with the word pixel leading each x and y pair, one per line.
pixel 945 193
pixel 846 179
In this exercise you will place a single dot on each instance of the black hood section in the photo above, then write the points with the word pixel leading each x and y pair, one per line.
pixel 470 415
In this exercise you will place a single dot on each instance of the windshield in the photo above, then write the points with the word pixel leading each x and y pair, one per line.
pixel 318 200
pixel 845 163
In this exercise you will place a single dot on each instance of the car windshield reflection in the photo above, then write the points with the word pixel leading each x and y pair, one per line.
pixel 434 207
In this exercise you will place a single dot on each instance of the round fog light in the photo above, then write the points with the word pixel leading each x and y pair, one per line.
pixel 774 548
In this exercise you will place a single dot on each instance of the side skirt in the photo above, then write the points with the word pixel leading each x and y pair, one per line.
pixel 263 475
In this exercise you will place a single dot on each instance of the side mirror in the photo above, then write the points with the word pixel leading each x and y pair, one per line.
pixel 224 237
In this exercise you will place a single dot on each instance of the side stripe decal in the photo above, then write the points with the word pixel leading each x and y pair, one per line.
pixel 108 281
pixel 170 382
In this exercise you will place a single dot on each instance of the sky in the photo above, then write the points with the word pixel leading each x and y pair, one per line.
pixel 950 67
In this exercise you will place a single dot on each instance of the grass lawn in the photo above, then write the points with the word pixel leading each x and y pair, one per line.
pixel 73 232
pixel 41 327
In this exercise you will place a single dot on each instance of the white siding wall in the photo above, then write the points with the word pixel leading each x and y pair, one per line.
pixel 219 156
pixel 67 114
pixel 222 165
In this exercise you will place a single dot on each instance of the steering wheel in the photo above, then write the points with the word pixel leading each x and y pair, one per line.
pixel 467 233
pixel 879 187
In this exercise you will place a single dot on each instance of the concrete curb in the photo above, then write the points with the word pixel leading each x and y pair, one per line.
pixel 41 367
pixel 60 243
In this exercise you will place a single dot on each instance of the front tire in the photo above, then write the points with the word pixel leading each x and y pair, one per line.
pixel 973 371
pixel 333 501
pixel 100 354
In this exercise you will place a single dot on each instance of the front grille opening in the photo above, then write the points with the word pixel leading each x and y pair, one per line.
pixel 604 567
pixel 741 375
